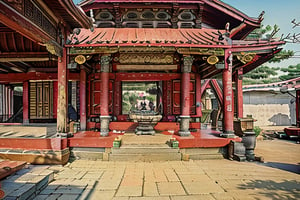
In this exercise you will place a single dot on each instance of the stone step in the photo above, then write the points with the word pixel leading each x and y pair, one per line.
pixel 204 153
pixel 83 153
pixel 145 149
pixel 27 182
pixel 146 157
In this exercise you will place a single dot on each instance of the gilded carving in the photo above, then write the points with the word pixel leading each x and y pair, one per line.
pixel 94 50
pixel 245 57
pixel 80 59
pixel 212 60
pixel 54 49
pixel 201 51
pixel 148 49
pixel 146 59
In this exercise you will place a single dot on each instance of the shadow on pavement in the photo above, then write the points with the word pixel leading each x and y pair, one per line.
pixel 276 190
pixel 284 166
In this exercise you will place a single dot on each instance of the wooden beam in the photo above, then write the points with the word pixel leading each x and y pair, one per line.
pixel 32 59
pixel 15 67
pixel 14 20
pixel 146 76
pixel 21 77
pixel 19 23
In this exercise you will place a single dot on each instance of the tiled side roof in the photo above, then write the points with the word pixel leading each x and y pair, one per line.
pixel 147 36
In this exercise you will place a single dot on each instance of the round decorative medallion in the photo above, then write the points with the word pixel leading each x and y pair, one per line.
pixel 80 59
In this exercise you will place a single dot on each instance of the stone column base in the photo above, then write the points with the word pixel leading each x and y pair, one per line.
pixel 184 126
pixel 228 134
pixel 25 121
pixel 104 129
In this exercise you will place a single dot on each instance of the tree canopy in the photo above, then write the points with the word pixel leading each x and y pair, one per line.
pixel 266 74
pixel 293 71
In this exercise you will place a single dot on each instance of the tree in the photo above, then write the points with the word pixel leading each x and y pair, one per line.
pixel 265 74
pixel 282 55
pixel 293 71
pixel 262 74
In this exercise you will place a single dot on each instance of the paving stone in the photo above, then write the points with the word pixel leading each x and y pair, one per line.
pixel 24 192
pixel 223 196
pixel 170 188
pixel 193 177
pixel 171 175
pixel 68 197
pixel 193 197
pixel 132 180
pixel 93 175
pixel 120 198
pixel 202 187
pixel 69 190
pixel 150 189
pixel 149 198
pixel 97 195
pixel 129 191
pixel 41 197
pixel 8 187
pixel 160 175
pixel 108 184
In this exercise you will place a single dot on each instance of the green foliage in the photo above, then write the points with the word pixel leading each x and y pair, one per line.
pixel 261 72
pixel 257 130
pixel 264 32
pixel 265 74
pixel 150 98
pixel 283 55
pixel 293 71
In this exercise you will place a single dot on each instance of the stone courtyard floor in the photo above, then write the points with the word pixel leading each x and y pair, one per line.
pixel 173 180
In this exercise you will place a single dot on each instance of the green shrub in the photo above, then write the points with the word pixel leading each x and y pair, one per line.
pixel 257 130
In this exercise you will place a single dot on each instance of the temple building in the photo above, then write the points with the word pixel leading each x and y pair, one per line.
pixel 105 67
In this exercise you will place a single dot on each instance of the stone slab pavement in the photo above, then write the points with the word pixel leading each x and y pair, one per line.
pixel 178 180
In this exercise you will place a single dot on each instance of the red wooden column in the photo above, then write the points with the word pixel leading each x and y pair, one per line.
pixel 25 102
pixel 62 100
pixel 227 96
pixel 198 96
pixel 185 96
pixel 239 92
pixel 82 86
pixel 117 107
pixel 104 110
pixel 10 102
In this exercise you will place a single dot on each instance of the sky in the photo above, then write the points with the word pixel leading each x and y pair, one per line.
pixel 276 12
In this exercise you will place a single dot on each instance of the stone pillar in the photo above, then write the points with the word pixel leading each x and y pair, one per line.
pixel 227 97
pixel 25 102
pixel 185 96
pixel 104 111
pixel 62 100
pixel 82 86
pixel 239 92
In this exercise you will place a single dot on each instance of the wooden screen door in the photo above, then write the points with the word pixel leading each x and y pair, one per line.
pixel 41 100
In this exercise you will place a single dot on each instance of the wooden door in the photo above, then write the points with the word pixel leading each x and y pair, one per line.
pixel 41 100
